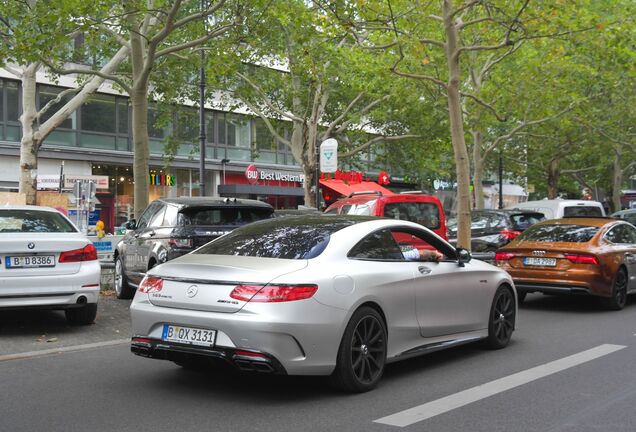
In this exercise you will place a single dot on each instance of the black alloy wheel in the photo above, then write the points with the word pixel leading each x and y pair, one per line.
pixel 362 353
pixel 619 291
pixel 501 322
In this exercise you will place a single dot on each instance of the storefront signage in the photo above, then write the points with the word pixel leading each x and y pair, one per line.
pixel 253 175
pixel 163 179
pixel 52 181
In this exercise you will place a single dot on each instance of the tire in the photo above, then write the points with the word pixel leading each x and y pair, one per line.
pixel 84 315
pixel 123 290
pixel 619 292
pixel 362 352
pixel 501 321
pixel 521 297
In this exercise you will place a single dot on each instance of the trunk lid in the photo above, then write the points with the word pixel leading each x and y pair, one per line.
pixel 556 250
pixel 43 244
pixel 204 282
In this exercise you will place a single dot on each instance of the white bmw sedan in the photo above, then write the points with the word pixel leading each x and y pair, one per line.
pixel 320 295
pixel 47 263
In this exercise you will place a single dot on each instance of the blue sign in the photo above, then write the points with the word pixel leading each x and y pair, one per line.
pixel 103 246
pixel 93 216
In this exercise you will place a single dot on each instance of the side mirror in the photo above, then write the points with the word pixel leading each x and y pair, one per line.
pixel 463 256
pixel 131 224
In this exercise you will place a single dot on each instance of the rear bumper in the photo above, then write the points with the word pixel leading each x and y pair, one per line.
pixel 52 292
pixel 240 359
pixel 303 339
pixel 551 288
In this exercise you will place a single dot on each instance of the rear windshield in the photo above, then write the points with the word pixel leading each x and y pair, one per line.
pixel 582 211
pixel 288 238
pixel 559 233
pixel 523 221
pixel 34 221
pixel 223 216
pixel 426 214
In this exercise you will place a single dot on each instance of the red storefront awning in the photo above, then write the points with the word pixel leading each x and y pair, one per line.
pixel 345 189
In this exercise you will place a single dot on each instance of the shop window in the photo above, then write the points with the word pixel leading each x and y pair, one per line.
pixel 13 101
pixel 47 94
pixel 98 114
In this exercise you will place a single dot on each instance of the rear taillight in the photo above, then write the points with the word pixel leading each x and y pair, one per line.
pixel 504 256
pixel 581 259
pixel 509 234
pixel 87 253
pixel 151 284
pixel 180 242
pixel 272 293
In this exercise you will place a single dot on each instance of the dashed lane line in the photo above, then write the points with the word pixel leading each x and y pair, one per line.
pixel 32 354
pixel 457 400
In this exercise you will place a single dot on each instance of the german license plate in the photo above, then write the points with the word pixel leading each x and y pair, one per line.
pixel 29 261
pixel 545 262
pixel 188 335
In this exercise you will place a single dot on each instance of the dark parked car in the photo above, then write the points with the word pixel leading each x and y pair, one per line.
pixel 172 227
pixel 492 229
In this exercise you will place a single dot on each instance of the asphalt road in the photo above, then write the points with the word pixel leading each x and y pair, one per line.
pixel 569 368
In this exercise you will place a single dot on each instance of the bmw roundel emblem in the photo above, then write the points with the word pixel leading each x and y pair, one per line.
pixel 192 290
pixel 31 245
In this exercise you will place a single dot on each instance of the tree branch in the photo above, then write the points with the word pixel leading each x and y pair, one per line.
pixel 362 112
pixel 57 99
pixel 219 31
pixel 342 115
pixel 375 140
pixel 268 101
pixel 267 122
pixel 464 7
pixel 485 105
pixel 78 71
pixel 15 72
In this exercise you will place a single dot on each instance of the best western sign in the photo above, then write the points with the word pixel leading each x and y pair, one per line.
pixel 253 175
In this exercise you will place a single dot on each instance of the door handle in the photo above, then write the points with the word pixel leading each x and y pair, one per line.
pixel 424 269
pixel 152 233
pixel 136 236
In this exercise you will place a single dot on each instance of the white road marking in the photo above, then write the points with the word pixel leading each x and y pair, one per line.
pixel 61 350
pixel 457 400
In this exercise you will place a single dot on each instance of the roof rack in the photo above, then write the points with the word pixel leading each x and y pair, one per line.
pixel 371 192
pixel 414 192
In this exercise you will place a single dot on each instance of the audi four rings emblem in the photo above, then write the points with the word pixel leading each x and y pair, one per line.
pixel 192 290
pixel 538 253
pixel 31 245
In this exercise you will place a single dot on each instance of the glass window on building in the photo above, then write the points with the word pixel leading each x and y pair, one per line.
pixel 156 124
pixel 238 130
pixel 99 114
pixel 122 116
pixel 13 101
pixel 46 95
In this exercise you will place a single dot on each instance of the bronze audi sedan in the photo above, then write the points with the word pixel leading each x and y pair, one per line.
pixel 590 256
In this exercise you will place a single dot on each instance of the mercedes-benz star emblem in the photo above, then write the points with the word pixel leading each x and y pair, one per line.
pixel 192 290
pixel 31 245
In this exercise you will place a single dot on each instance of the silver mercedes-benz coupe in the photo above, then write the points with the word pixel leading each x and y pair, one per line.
pixel 320 295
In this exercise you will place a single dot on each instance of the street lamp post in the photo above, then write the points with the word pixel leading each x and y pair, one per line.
pixel 500 180
pixel 202 118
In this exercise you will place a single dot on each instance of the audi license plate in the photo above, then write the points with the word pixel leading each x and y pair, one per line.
pixel 188 335
pixel 29 261
pixel 545 262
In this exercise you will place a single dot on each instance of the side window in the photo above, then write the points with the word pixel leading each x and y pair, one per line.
pixel 148 214
pixel 379 245
pixel 630 232
pixel 157 219
pixel 170 217
pixel 622 234
pixel 409 239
